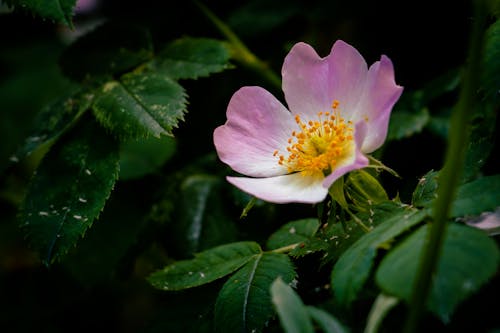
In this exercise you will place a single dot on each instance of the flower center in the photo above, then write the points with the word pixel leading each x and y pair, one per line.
pixel 319 145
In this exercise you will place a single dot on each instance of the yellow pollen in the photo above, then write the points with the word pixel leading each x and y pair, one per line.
pixel 319 145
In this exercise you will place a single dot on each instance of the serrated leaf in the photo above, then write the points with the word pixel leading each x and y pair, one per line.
pixel 244 303
pixel 327 322
pixel 292 233
pixel 292 313
pixel 191 58
pixel 69 190
pixel 206 267
pixel 54 120
pixel 468 259
pixel 309 246
pixel 141 157
pixel 140 105
pixel 404 124
pixel 58 10
pixel 201 219
pixel 491 65
pixel 110 49
pixel 354 265
pixel 425 191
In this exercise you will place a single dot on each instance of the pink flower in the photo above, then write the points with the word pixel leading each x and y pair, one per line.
pixel 339 111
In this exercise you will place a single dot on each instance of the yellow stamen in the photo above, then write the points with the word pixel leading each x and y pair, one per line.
pixel 320 144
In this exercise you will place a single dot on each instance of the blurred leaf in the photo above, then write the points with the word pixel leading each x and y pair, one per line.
pixel 69 190
pixel 477 196
pixel 25 91
pixel 140 105
pixel 425 191
pixel 144 156
pixel 491 65
pixel 57 10
pixel 54 120
pixel 480 144
pixel 293 315
pixel 472 198
pixel 469 258
pixel 191 58
pixel 201 220
pixel 206 267
pixel 110 49
pixel 353 267
pixel 405 124
pixel 383 304
pixel 270 14
pixel 292 233
pixel 364 190
pixel 327 322
pixel 244 303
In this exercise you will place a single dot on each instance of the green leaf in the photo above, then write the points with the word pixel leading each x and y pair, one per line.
pixel 58 10
pixel 405 124
pixel 206 267
pixel 69 190
pixel 292 233
pixel 327 322
pixel 480 144
pixel 293 315
pixel 469 258
pixel 201 219
pixel 54 120
pixel 353 267
pixel 144 156
pixel 110 49
pixel 383 304
pixel 140 105
pixel 491 66
pixel 477 196
pixel 364 190
pixel 191 58
pixel 472 198
pixel 244 303
pixel 425 191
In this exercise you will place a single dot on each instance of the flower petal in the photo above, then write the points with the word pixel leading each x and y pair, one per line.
pixel 357 161
pixel 311 83
pixel 380 94
pixel 293 187
pixel 257 125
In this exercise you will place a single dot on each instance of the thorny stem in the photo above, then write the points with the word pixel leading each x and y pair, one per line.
pixel 241 52
pixel 358 221
pixel 449 175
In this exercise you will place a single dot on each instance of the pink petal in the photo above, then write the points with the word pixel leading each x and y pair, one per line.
pixel 311 83
pixel 357 161
pixel 293 187
pixel 380 94
pixel 257 125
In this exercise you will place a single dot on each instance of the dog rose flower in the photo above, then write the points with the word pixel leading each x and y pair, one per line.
pixel 338 112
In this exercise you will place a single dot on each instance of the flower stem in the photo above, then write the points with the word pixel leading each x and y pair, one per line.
pixel 241 52
pixel 450 174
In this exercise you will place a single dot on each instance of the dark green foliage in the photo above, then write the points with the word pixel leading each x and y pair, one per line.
pixel 206 267
pixel 244 303
pixel 56 10
pixel 69 190
pixel 469 259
